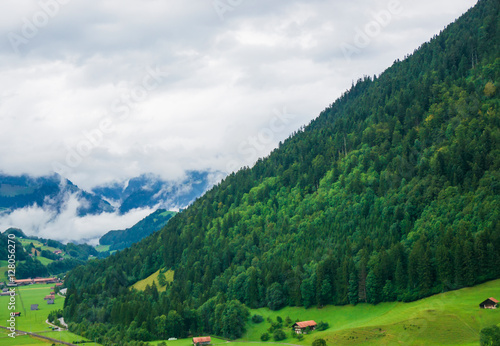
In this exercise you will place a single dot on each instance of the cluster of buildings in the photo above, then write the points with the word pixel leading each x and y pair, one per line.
pixel 24 282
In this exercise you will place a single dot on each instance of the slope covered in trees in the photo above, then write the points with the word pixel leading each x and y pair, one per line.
pixel 392 193
pixel 122 239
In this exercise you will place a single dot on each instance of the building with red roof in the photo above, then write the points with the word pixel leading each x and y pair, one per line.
pixel 204 340
pixel 301 327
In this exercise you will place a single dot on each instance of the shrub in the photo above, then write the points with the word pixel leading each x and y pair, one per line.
pixel 264 337
pixel 279 335
pixel 322 326
pixel 490 336
pixel 319 342
pixel 257 318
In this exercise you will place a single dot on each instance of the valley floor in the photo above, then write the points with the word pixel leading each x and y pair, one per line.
pixel 452 318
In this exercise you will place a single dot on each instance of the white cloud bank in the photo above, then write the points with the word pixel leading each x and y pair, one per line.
pixel 77 64
pixel 67 226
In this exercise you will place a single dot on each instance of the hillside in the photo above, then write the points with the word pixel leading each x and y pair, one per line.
pixel 389 195
pixel 118 240
pixel 49 192
pixel 38 257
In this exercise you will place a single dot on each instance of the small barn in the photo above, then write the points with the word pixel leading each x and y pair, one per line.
pixel 490 303
pixel 301 327
pixel 50 302
pixel 17 314
pixel 204 340
pixel 34 307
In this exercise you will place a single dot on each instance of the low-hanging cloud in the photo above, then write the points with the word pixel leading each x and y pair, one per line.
pixel 66 225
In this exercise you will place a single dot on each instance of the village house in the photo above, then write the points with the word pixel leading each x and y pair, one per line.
pixel 49 297
pixel 57 252
pixel 34 307
pixel 490 303
pixel 302 327
pixel 204 340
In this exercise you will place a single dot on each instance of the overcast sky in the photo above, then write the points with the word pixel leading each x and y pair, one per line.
pixel 110 89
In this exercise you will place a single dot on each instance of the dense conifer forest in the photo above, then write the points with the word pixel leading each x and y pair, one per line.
pixel 392 193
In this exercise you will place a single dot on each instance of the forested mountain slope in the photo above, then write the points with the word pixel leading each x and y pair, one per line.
pixel 392 193
pixel 121 239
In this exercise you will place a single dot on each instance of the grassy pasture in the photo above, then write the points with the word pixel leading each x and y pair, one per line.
pixel 141 285
pixel 32 321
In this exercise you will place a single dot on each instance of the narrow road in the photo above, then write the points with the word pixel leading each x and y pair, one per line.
pixel 20 332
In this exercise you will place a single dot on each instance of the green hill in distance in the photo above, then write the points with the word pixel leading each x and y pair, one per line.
pixel 118 240
pixel 390 195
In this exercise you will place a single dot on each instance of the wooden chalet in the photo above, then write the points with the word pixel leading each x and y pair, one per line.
pixel 34 307
pixel 17 314
pixel 490 303
pixel 49 297
pixel 50 301
pixel 204 340
pixel 301 327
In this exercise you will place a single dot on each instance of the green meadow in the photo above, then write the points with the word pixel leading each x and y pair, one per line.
pixel 38 244
pixel 3 270
pixel 141 285
pixel 452 318
pixel 32 321
pixel 102 248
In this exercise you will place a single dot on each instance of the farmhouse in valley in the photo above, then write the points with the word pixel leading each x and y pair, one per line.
pixel 301 327
pixel 36 281
pixel 204 340
pixel 490 303
pixel 23 282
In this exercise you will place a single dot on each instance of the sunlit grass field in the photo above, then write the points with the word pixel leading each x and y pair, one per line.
pixel 32 321
pixel 141 285
pixel 452 318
